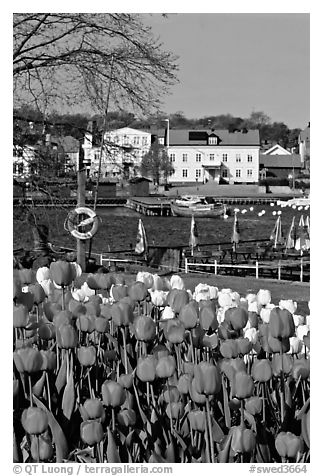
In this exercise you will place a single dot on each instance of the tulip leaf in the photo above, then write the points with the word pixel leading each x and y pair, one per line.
pixel 304 409
pixel 170 453
pixel 68 400
pixel 61 376
pixel 217 433
pixel 16 457
pixel 57 433
pixel 112 451
pixel 251 420
pixel 226 407
pixel 180 439
pixel 224 454
pixel 39 385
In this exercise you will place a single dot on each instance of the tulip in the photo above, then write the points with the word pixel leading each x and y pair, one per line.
pixel 91 432
pixel 27 276
pixel 127 417
pixel 302 331
pixel 253 319
pixel 113 394
pixel 176 282
pixel 295 345
pixel 278 345
pixel 47 331
pixel 66 337
pixel 100 281
pixel 101 325
pixel 26 299
pixel 158 298
pixel 263 297
pixel 211 341
pixel 34 420
pixel 235 298
pixel 201 292
pixel 110 355
pixel 237 317
pixel 20 316
pixel 183 384
pixel 243 385
pixel 298 320
pixel 225 331
pixel 301 368
pixel 225 298
pixel 41 448
pixel 28 360
pixel 169 393
pixel 288 445
pixel 93 409
pixel 144 328
pixel 229 349
pixel 281 323
pixel 251 334
pixel 93 308
pixel 38 292
pixel 158 283
pixel 265 314
pixel 174 331
pixel 42 274
pixel 146 278
pixel 106 310
pixel 253 405
pixel 253 307
pixel 146 368
pixel 160 351
pixel 244 345
pixel 86 323
pixel 168 313
pixel 196 419
pixel 166 366
pixel 126 380
pixel 207 378
pixel 282 363
pixel 86 356
pixel 49 360
pixel 231 366
pixel 138 291
pixel 62 317
pixel 307 340
pixel 62 272
pixel 175 410
pixel 118 291
pixel 196 396
pixel 188 315
pixel 288 304
pixel 50 309
pixel 261 370
pixel 122 314
pixel 77 269
pixel 16 288
pixel 177 298
pixel 208 319
pixel 243 440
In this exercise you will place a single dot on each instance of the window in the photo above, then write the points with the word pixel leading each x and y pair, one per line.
pixel 224 157
pixel 238 158
pixel 161 140
pixel 211 156
pixel 249 158
pixel 198 157
pixel 144 141
pixel 172 157
pixel 185 173
pixel 184 157
pixel 97 155
pixel 213 140
pixel 136 140
pixel 116 139
pixel 197 173
pixel 238 173
pixel 225 173
pixel 249 173
pixel 125 139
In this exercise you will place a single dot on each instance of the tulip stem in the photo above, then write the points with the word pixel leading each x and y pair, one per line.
pixel 90 387
pixel 124 349
pixel 192 347
pixel 242 413
pixel 113 420
pixel 206 435
pixel 30 391
pixel 209 425
pixel 63 300
pixel 263 385
pixel 282 391
pixel 170 406
pixel 147 388
pixel 37 448
pixel 48 392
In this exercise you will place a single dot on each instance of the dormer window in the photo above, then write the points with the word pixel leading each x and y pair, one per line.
pixel 212 140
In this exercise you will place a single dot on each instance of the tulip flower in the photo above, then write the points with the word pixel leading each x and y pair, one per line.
pixel 243 440
pixel 167 313
pixel 281 323
pixel 211 341
pixel 100 281
pixel 93 410
pixel 225 331
pixel 251 334
pixel 66 337
pixel 231 366
pixel 201 292
pixel 235 298
pixel 34 420
pixel 146 368
pixel 261 370
pixel 146 278
pixel 295 345
pixel 86 356
pixel 126 380
pixel 253 319
pixel 188 315
pixel 42 274
pixel 197 421
pixel 177 298
pixel 127 417
pixel 225 298
pixel 41 448
pixel 277 345
pixel 301 368
pixel 160 351
pixel 169 393
pixel 28 360
pixel 20 316
pixel 62 317
pixel 158 283
pixel 288 304
pixel 62 272
pixel 113 394
pixel 38 292
pixel 165 366
pixel 27 276
pixel 229 349
pixel 196 396
pixel 138 291
pixel 86 323
pixel 144 328
pixel 288 445
pixel 302 331
pixel 263 297
pixel 244 345
pixel 26 299
pixel 183 384
pixel 49 360
pixel 176 282
pixel 242 385
pixel 174 331
pixel 254 307
pixel 175 410
pixel 207 378
pixel 298 320
pixel 158 298
pixel 122 314
pixel 208 318
pixel 253 405
pixel 118 291
pixel 91 432
pixel 237 317
pixel 47 331
pixel 265 313
pixel 282 363
pixel 77 269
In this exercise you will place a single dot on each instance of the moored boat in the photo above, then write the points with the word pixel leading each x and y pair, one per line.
pixel 211 210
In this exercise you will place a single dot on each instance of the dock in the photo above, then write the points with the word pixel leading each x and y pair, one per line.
pixel 153 206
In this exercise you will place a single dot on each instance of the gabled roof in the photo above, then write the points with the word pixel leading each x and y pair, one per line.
pixel 200 137
pixel 277 150
pixel 128 130
pixel 280 161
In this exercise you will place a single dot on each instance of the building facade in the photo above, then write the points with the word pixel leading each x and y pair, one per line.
pixel 200 156
pixel 304 146
pixel 122 153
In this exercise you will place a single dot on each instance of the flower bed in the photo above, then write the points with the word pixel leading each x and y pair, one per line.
pixel 152 372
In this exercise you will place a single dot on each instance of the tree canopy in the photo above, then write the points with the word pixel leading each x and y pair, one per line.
pixel 156 163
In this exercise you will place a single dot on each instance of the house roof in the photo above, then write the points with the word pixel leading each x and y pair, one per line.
pixel 226 138
pixel 139 179
pixel 277 149
pixel 280 161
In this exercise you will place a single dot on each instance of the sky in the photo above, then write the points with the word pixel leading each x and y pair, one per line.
pixel 238 63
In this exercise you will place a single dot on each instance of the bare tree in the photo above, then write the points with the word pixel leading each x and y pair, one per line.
pixel 64 58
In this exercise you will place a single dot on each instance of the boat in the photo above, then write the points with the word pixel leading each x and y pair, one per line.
pixel 190 200
pixel 211 210
pixel 302 201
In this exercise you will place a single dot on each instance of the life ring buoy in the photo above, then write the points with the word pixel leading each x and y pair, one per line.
pixel 73 224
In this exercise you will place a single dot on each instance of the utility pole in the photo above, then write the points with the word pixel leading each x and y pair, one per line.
pixel 81 180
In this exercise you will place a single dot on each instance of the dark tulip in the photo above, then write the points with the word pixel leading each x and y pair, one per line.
pixel 146 368
pixel 229 349
pixel 253 318
pixel 66 337
pixel 281 323
pixel 86 355
pixel 119 291
pixel 110 355
pixel 34 420
pixel 301 368
pixel 62 317
pixel 177 298
pixel 253 405
pixel 20 316
pixel 41 448
pixel 28 360
pixel 127 417
pixel 126 380
pixel 288 445
pixel 38 292
pixel 86 323
pixel 106 310
pixel 225 331
pixel 101 324
pixel 138 291
pixel 244 345
pixel 91 432
pixel 196 419
pixel 113 394
pixel 144 328
pixel 243 440
pixel 94 409
pixel 261 370
pixel 237 317
pixel 278 345
pixel 47 331
pixel 50 309
pixel 197 336
pixel 189 314
pixel 122 314
pixel 208 378
pixel 263 337
pixel 243 385
pixel 282 363
pixel 27 276
pixel 165 366
pixel 26 299
pixel 211 341
pixel 174 331
pixel 62 272
pixel 208 319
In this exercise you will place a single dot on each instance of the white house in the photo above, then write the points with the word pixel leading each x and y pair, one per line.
pixel 121 155
pixel 304 141
pixel 208 155
pixel 22 158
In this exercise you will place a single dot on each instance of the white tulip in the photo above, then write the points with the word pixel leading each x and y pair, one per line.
pixel 47 286
pixel 302 331
pixel 158 283
pixel 250 297
pixel 78 269
pixel 146 278
pixel 251 334
pixel 213 292
pixel 288 304
pixel 42 274
pixel 265 314
pixel 159 298
pixel 201 292
pixel 235 298
pixel 295 345
pixel 176 282
pixel 298 320
pixel 220 314
pixel 253 307
pixel 225 298
pixel 167 313
pixel 308 320
pixel 263 297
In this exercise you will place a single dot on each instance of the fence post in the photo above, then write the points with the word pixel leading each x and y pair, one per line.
pixel 186 266
pixel 301 274
pixel 215 267
pixel 279 270
pixel 101 259
pixel 257 270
